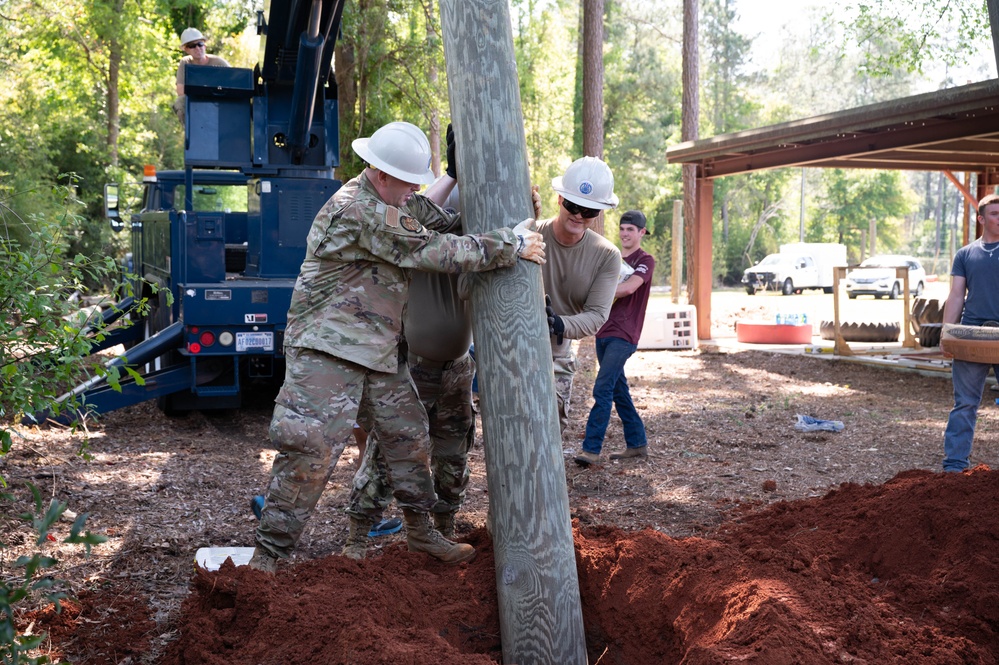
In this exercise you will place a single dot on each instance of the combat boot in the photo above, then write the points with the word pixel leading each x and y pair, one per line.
pixel 422 537
pixel 263 560
pixel 357 539
pixel 444 522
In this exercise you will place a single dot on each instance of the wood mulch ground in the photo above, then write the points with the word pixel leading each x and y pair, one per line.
pixel 721 436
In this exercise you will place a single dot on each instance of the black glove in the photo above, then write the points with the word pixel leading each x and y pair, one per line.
pixel 452 163
pixel 556 326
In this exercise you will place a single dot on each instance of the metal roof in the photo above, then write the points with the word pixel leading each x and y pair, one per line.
pixel 956 129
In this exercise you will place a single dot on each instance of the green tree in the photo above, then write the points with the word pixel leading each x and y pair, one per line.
pixel 911 35
pixel 855 198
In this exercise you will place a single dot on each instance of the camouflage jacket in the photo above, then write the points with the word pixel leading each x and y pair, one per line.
pixel 351 293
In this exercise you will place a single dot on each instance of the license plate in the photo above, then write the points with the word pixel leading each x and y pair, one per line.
pixel 263 341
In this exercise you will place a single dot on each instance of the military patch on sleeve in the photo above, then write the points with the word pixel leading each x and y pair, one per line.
pixel 391 215
pixel 411 224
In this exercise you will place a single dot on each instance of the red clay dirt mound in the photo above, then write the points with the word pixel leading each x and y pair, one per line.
pixel 904 572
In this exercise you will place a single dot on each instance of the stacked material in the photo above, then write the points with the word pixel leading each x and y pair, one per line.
pixel 978 344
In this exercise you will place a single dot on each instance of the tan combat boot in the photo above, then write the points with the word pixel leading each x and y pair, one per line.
pixel 444 522
pixel 357 539
pixel 421 537
pixel 263 560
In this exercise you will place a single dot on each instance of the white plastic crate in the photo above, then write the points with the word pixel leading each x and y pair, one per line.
pixel 669 327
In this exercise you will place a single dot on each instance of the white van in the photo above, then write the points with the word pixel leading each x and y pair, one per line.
pixel 798 266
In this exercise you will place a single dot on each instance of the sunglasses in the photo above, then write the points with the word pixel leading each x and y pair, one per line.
pixel 195 45
pixel 573 209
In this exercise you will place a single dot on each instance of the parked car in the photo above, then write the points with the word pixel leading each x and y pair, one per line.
pixel 876 277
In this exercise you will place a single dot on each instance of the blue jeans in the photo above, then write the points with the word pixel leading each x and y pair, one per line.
pixel 969 384
pixel 611 387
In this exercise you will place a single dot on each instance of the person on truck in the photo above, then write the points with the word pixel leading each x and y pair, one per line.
pixel 192 42
pixel 344 359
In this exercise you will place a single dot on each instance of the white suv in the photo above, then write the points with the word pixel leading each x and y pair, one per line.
pixel 876 277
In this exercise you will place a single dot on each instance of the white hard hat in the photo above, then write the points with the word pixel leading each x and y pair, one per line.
pixel 190 35
pixel 400 149
pixel 587 182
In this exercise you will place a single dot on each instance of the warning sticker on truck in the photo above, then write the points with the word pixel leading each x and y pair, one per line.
pixel 257 341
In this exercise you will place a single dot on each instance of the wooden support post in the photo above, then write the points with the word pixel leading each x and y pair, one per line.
pixel 840 348
pixel 541 619
pixel 676 258
pixel 699 269
pixel 908 339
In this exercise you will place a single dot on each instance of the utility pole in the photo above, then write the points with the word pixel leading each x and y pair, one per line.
pixel 541 618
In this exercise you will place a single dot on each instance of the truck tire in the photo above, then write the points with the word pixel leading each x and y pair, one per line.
pixel 929 334
pixel 827 289
pixel 788 287
pixel 861 332
pixel 750 290
pixel 895 291
pixel 919 289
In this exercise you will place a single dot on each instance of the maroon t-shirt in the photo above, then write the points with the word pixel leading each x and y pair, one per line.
pixel 627 315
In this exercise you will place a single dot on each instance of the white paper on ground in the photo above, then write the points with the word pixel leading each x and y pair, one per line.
pixel 212 558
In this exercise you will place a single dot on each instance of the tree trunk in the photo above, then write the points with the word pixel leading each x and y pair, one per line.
pixel 344 66
pixel 541 620
pixel 593 86
pixel 689 132
pixel 114 75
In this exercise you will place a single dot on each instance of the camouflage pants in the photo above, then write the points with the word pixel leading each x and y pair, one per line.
pixel 565 370
pixel 446 393
pixel 321 399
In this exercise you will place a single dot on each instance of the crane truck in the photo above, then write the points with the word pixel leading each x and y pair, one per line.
pixel 225 236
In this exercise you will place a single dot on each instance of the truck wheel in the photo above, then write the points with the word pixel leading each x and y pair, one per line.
pixel 788 287
pixel 827 289
pixel 750 290
pixel 919 289
pixel 895 291
pixel 852 296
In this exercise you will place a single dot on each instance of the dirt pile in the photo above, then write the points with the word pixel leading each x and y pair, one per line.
pixel 902 572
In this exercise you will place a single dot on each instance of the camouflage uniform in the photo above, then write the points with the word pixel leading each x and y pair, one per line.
pixel 445 391
pixel 343 349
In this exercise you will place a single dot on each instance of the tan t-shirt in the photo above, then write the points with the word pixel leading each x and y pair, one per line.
pixel 581 280
pixel 213 61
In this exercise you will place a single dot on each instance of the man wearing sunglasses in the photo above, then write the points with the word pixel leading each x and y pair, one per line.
pixel 192 42
pixel 582 267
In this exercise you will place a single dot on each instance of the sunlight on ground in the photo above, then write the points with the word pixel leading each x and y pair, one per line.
pixel 825 389
pixel 684 494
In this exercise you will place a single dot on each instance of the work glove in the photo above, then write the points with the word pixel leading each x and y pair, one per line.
pixel 530 245
pixel 452 163
pixel 536 201
pixel 556 326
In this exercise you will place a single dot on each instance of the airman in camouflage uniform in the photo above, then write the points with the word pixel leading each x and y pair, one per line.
pixel 438 330
pixel 343 349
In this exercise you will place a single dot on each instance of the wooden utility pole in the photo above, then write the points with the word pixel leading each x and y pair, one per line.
pixel 541 620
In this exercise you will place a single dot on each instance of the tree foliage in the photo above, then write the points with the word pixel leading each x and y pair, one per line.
pixel 911 35
pixel 854 199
